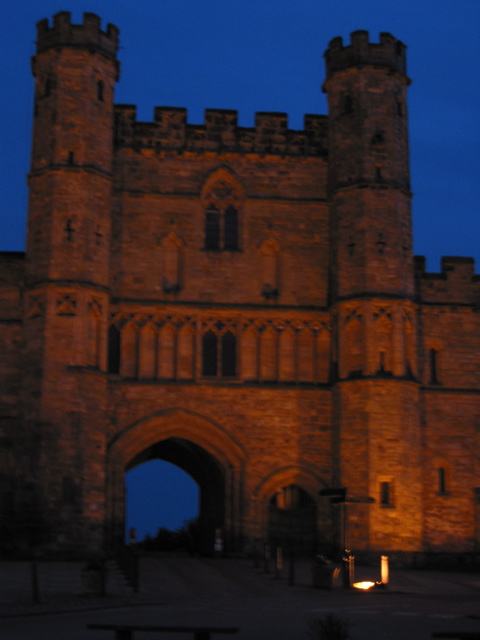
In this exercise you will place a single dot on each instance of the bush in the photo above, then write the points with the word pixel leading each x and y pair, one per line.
pixel 329 628
pixel 167 540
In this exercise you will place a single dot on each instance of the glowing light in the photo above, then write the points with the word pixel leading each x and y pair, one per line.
pixel 366 584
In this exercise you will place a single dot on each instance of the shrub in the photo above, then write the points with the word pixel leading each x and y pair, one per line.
pixel 329 628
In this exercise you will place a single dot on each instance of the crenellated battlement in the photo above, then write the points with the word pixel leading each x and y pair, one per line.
pixel 389 52
pixel 456 283
pixel 220 132
pixel 89 34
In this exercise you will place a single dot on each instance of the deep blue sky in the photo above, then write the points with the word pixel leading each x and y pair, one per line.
pixel 159 494
pixel 267 55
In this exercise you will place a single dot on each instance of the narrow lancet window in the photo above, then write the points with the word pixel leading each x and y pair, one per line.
pixel 433 366
pixel 212 227
pixel 113 350
pixel 229 355
pixel 209 355
pixel 386 493
pixel 442 480
pixel 230 240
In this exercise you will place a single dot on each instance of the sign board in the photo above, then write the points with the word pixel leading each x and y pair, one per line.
pixel 340 492
pixel 338 495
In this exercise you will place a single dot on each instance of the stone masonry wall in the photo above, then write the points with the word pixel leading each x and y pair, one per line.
pixel 280 202
pixel 241 300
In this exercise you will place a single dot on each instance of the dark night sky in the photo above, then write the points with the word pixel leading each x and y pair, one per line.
pixel 267 55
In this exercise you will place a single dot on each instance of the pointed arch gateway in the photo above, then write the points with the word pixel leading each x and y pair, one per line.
pixel 201 448
pixel 286 502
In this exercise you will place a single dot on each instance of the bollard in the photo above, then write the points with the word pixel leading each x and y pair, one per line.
pixel 256 553
pixel 279 563
pixel 218 544
pixel 266 558
pixel 291 567
pixel 384 573
pixel 348 562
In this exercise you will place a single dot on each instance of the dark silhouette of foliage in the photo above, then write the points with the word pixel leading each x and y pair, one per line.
pixel 184 539
pixel 329 628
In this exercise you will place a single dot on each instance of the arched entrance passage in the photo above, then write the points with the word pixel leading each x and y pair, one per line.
pixel 292 520
pixel 151 504
pixel 198 446
pixel 291 513
pixel 206 472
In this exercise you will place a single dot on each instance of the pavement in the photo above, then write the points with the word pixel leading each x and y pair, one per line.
pixel 264 605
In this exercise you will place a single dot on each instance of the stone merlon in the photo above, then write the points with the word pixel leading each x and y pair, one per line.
pixel 456 283
pixel 390 52
pixel 89 34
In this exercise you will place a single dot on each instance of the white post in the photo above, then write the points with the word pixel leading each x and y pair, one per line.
pixel 384 570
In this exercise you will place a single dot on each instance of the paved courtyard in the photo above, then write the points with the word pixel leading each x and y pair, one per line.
pixel 232 592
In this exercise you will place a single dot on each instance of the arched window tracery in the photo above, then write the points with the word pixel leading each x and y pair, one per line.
pixel 219 353
pixel 221 205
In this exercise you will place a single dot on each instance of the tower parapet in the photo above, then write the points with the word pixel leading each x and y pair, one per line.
pixel 89 34
pixel 389 52
pixel 220 133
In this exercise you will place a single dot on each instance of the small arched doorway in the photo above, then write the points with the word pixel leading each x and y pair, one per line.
pixel 292 520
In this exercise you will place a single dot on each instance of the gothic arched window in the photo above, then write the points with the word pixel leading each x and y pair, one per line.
pixel 209 354
pixel 219 354
pixel 221 228
pixel 229 355
pixel 230 228
pixel 221 196
pixel 212 227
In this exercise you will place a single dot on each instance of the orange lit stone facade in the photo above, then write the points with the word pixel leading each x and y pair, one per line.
pixel 242 302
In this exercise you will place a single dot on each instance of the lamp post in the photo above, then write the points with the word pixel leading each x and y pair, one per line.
pixel 339 496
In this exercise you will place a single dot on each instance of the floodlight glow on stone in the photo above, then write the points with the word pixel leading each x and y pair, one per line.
pixel 365 585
